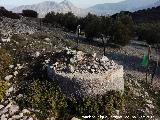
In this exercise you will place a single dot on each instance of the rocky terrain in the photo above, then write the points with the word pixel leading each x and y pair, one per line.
pixel 32 50
pixel 80 74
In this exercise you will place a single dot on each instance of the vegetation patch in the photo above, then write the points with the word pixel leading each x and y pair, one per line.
pixel 5 61
pixel 3 88
pixel 45 97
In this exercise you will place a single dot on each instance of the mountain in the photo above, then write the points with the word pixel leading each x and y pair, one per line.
pixel 48 6
pixel 127 5
pixel 99 9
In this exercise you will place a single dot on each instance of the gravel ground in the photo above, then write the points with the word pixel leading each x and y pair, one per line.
pixel 131 56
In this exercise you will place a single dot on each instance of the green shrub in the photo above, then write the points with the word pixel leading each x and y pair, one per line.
pixel 3 88
pixel 5 61
pixel 30 13
pixel 43 94
pixel 45 97
pixel 100 105
pixel 9 14
pixel 149 32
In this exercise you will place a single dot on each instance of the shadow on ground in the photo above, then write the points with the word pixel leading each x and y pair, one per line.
pixel 131 62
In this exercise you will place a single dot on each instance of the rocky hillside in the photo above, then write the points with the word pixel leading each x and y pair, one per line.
pixel 27 92
pixel 126 5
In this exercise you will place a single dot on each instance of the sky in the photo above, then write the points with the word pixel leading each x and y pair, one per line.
pixel 78 3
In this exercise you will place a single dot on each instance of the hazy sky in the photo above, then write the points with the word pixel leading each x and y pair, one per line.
pixel 78 3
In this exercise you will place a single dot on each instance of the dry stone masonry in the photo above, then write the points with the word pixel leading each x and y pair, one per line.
pixel 80 74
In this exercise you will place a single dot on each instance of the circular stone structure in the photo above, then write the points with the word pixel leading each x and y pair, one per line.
pixel 79 74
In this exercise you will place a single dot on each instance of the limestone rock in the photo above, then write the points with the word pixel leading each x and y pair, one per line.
pixel 8 77
pixel 25 111
pixel 1 106
pixel 74 118
pixel 3 117
pixel 13 109
pixel 3 111
pixel 30 118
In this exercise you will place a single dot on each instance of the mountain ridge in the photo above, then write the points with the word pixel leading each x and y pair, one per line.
pixel 48 6
pixel 100 9
pixel 126 5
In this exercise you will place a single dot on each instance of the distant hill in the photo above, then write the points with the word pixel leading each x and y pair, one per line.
pixel 48 6
pixel 143 16
pixel 127 5
pixel 147 15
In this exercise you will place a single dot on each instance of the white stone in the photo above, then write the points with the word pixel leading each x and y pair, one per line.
pixel 117 112
pixel 149 101
pixel 146 94
pixel 104 59
pixel 3 111
pixel 21 114
pixel 30 118
pixel 94 55
pixel 16 117
pixel 80 55
pixel 47 39
pixel 19 66
pixel 74 118
pixel 8 77
pixel 25 111
pixel 11 66
pixel 15 73
pixel 1 106
pixel 7 115
pixel 6 39
pixel 47 61
pixel 24 118
pixel 9 91
pixel 150 106
pixel 156 92
pixel 51 67
pixel 20 96
pixel 3 117
pixel 13 109
pixel 37 54
pixel 71 68
pixel 52 118
pixel 9 105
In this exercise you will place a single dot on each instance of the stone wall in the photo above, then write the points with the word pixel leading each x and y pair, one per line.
pixel 82 79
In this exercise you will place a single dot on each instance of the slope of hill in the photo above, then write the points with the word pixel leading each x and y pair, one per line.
pixel 31 95
pixel 127 5
pixel 147 15
pixel 48 6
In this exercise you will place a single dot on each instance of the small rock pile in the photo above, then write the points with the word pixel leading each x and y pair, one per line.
pixel 80 74
pixel 79 62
